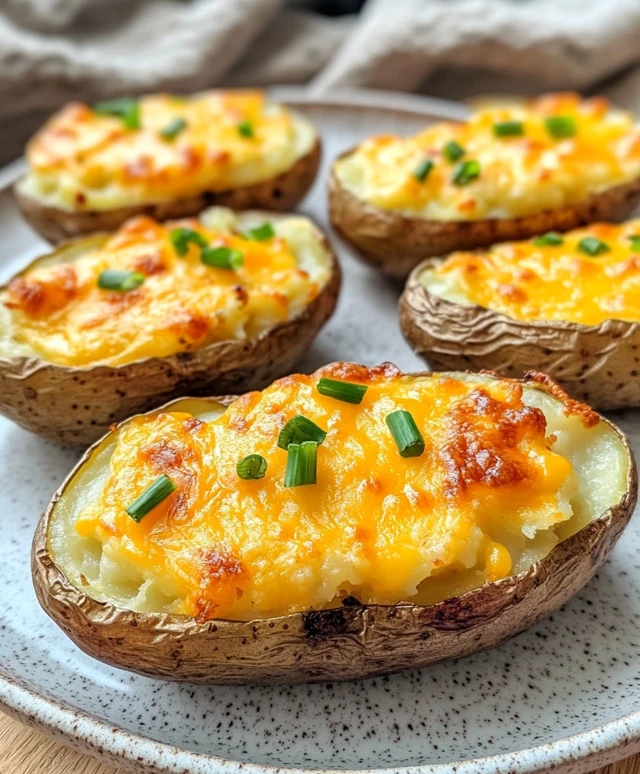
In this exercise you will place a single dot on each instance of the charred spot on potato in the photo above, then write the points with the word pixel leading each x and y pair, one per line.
pixel 325 623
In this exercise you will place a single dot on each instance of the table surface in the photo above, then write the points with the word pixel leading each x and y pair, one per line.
pixel 23 751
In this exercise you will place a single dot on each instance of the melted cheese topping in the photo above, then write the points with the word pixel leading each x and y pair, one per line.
pixel 57 312
pixel 493 491
pixel 82 160
pixel 519 175
pixel 554 282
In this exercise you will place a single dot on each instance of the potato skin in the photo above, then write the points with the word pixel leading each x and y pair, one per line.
pixel 279 194
pixel 76 406
pixel 347 643
pixel 394 243
pixel 596 364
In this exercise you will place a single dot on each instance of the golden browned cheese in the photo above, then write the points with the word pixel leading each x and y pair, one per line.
pixel 534 281
pixel 61 314
pixel 482 499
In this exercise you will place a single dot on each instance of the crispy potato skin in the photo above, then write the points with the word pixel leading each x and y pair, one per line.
pixel 348 643
pixel 394 243
pixel 596 364
pixel 77 406
pixel 279 194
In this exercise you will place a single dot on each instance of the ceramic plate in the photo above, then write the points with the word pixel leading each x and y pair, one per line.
pixel 565 694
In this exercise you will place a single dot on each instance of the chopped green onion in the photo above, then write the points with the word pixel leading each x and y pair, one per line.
pixel 508 129
pixel 263 232
pixel 345 391
pixel 126 108
pixel 182 237
pixel 423 169
pixel 550 238
pixel 635 242
pixel 560 127
pixel 222 257
pixel 173 128
pixel 302 463
pixel 251 467
pixel 119 279
pixel 245 129
pixel 453 151
pixel 405 433
pixel 298 430
pixel 466 172
pixel 593 246
pixel 153 495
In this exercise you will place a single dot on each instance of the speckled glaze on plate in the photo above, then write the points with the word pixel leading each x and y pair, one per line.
pixel 563 695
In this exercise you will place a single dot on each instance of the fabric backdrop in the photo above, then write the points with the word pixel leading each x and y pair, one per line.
pixel 55 50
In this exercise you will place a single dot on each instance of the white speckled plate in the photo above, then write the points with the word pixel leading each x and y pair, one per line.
pixel 563 695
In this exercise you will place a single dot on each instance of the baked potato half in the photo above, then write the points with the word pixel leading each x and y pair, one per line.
pixel 110 325
pixel 510 172
pixel 563 304
pixel 336 526
pixel 92 168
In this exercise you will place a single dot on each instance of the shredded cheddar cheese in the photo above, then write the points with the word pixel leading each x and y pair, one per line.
pixel 565 149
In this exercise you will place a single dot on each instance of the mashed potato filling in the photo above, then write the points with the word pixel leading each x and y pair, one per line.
pixel 83 159
pixel 507 471
pixel 523 158
pixel 58 311
pixel 586 276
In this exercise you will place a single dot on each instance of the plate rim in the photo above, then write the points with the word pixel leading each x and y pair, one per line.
pixel 84 731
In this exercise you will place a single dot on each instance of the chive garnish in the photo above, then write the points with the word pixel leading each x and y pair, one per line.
pixel 466 172
pixel 153 495
pixel 245 129
pixel 173 128
pixel 508 129
pixel 593 246
pixel 222 258
pixel 302 462
pixel 120 280
pixel 405 433
pixel 125 108
pixel 421 172
pixel 453 151
pixel 252 467
pixel 551 238
pixel 345 391
pixel 298 430
pixel 262 233
pixel 635 242
pixel 182 237
pixel 560 126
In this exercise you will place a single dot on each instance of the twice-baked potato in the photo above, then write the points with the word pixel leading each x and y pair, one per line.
pixel 108 326
pixel 335 526
pixel 568 305
pixel 92 168
pixel 509 172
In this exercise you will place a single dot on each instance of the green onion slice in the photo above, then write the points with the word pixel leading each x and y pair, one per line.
pixel 466 172
pixel 345 391
pixel 405 433
pixel 245 129
pixel 421 172
pixel 173 128
pixel 551 238
pixel 560 127
pixel 262 233
pixel 120 280
pixel 222 257
pixel 298 430
pixel 302 463
pixel 635 242
pixel 508 129
pixel 125 108
pixel 251 467
pixel 593 246
pixel 453 151
pixel 182 237
pixel 152 496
